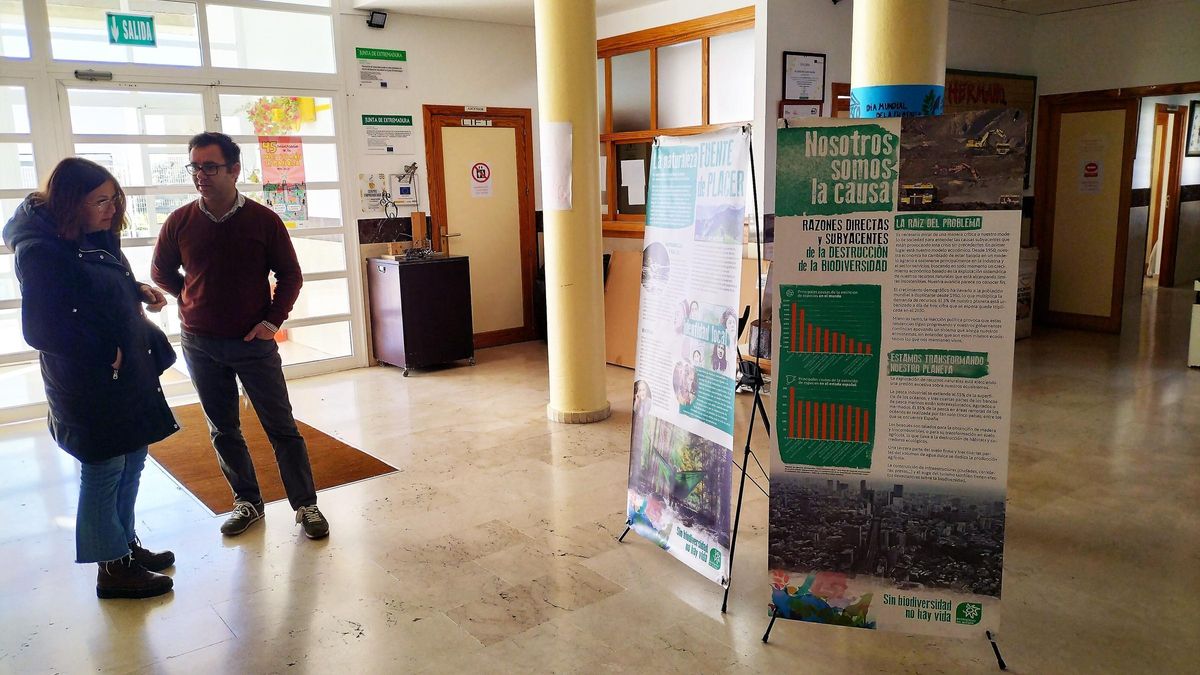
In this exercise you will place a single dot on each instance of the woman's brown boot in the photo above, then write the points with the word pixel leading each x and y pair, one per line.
pixel 155 561
pixel 124 578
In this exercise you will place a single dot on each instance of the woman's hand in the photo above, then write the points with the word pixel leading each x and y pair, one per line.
pixel 116 365
pixel 154 298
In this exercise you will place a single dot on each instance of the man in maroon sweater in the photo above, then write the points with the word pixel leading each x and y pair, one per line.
pixel 228 246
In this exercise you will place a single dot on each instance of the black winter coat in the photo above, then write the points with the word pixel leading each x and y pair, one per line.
pixel 79 303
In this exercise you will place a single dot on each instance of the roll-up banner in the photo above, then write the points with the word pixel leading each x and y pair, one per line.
pixel 894 292
pixel 680 460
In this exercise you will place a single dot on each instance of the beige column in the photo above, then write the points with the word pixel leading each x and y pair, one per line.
pixel 569 140
pixel 898 63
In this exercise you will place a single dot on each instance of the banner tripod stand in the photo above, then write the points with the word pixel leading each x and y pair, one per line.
pixel 991 639
pixel 996 648
pixel 774 615
pixel 737 518
pixel 749 371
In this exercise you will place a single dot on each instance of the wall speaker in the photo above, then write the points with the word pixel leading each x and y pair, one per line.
pixel 377 19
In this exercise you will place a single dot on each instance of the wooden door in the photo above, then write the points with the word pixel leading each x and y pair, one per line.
pixel 1084 173
pixel 1165 163
pixel 481 196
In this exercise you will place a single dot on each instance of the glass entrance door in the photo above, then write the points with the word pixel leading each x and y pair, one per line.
pixel 139 132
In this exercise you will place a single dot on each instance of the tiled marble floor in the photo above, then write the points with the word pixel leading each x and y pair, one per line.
pixel 493 549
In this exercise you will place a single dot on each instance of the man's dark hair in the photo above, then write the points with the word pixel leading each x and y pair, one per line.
pixel 229 150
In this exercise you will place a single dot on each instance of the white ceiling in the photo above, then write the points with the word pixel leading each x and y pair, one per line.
pixel 520 12
pixel 517 12
pixel 1041 7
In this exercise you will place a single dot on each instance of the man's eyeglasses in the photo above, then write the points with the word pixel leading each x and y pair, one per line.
pixel 208 168
pixel 101 204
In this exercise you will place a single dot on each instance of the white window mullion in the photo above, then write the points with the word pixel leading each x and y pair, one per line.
pixel 273 6
pixel 143 190
pixel 324 276
pixel 316 320
pixel 202 27
pixel 67 135
pixel 18 357
pixel 317 231
pixel 348 189
pixel 37 29
pixel 212 109
pixel 242 139
pixel 131 139
pixel 312 185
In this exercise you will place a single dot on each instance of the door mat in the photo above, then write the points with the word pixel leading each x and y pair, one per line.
pixel 189 457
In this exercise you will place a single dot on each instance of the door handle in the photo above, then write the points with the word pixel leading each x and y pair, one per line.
pixel 451 234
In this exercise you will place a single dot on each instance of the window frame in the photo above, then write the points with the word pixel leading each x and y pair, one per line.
pixel 44 79
pixel 41 59
pixel 702 29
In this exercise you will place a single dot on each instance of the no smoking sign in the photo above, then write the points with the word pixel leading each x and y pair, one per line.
pixel 481 180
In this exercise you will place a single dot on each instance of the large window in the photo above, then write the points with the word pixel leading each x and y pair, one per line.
pixel 137 125
pixel 141 136
pixel 20 382
pixel 272 35
pixel 320 324
pixel 298 41
pixel 14 39
pixel 79 31
pixel 681 79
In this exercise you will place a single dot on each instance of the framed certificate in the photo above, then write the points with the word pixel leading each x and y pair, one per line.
pixel 803 76
pixel 790 109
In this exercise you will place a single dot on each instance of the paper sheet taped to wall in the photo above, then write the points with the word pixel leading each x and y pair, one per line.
pixel 556 166
pixel 633 178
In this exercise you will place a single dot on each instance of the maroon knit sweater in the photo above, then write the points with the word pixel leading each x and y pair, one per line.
pixel 224 290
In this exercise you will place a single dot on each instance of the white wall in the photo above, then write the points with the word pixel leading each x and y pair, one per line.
pixel 985 39
pixel 1133 44
pixel 450 63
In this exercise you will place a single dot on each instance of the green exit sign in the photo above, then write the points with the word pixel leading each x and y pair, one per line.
pixel 131 29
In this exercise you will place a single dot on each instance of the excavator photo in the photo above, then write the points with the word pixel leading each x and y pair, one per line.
pixel 985 145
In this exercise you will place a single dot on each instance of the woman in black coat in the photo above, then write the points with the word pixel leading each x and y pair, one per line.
pixel 81 309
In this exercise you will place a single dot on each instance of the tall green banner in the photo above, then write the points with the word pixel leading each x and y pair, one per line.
pixel 894 308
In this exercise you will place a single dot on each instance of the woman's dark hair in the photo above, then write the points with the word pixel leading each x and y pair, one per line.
pixel 229 149
pixel 65 196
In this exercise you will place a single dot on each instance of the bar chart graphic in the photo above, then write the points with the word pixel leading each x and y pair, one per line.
pixel 807 337
pixel 824 421
pixel 828 374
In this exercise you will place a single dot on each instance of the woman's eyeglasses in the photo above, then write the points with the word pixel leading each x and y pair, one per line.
pixel 101 204
pixel 207 169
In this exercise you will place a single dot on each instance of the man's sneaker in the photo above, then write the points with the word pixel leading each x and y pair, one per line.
pixel 244 515
pixel 151 560
pixel 314 524
pixel 124 578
